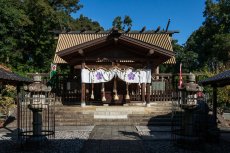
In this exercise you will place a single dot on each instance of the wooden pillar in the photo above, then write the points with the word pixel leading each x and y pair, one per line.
pixel 143 92
pixel 157 72
pixel 83 88
pixel 148 94
pixel 214 103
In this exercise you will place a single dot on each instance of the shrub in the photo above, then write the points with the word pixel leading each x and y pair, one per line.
pixel 7 99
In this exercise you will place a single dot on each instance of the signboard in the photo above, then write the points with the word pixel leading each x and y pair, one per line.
pixel 158 85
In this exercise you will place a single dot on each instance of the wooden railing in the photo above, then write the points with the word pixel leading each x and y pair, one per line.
pixel 68 88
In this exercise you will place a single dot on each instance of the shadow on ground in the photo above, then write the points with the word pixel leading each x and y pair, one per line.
pixel 73 144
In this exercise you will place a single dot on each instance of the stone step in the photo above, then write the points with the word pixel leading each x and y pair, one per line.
pixel 120 108
pixel 73 115
pixel 159 113
pixel 112 121
pixel 75 124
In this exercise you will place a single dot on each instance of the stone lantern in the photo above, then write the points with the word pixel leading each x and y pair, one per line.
pixel 38 101
pixel 189 91
pixel 191 114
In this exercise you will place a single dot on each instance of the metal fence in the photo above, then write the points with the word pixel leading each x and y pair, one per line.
pixel 28 134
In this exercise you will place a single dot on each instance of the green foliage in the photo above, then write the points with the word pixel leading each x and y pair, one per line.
pixel 26 43
pixel 122 24
pixel 117 22
pixel 189 60
pixel 85 23
pixel 8 94
pixel 127 22
pixel 186 57
pixel 12 21
pixel 211 40
pixel 223 93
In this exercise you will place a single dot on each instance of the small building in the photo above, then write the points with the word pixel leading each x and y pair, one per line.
pixel 9 77
pixel 219 80
pixel 114 67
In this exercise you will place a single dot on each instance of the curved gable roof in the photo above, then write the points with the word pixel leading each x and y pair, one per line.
pixel 65 41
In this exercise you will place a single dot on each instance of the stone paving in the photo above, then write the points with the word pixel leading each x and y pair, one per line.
pixel 158 139
pixel 113 139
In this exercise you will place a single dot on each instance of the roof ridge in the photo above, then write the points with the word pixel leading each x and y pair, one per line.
pixel 116 30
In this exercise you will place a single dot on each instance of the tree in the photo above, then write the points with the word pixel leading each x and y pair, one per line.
pixel 13 20
pixel 26 43
pixel 212 43
pixel 85 23
pixel 211 40
pixel 117 22
pixel 127 22
pixel 122 25
pixel 189 59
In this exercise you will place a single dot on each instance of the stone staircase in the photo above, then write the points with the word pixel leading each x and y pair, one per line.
pixel 157 114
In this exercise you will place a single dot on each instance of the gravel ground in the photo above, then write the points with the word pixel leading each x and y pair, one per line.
pixel 64 142
pixel 161 142
pixel 70 140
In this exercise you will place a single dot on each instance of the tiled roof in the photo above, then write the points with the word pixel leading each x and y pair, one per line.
pixel 220 79
pixel 65 41
pixel 7 75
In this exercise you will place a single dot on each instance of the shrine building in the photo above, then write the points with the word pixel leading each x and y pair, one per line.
pixel 114 67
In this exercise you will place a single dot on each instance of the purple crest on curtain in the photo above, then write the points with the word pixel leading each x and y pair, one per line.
pixel 131 76
pixel 99 75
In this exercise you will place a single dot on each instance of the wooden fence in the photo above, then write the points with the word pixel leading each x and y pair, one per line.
pixel 68 88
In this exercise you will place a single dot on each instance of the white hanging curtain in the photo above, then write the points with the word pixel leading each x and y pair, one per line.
pixel 128 75
pixel 135 76
pixel 96 76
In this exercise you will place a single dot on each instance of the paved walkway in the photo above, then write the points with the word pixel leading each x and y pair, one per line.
pixel 113 139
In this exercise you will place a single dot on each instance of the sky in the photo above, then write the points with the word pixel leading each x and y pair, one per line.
pixel 185 15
